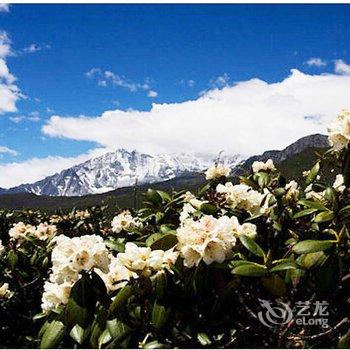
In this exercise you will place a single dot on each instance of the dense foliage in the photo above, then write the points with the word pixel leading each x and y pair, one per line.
pixel 185 270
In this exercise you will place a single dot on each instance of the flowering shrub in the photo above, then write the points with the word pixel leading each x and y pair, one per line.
pixel 187 270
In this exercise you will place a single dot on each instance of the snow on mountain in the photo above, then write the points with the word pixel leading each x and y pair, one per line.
pixel 119 169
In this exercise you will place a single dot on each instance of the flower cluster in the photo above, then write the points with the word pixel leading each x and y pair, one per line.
pixel 217 171
pixel 43 231
pixel 339 131
pixel 210 239
pixel 5 292
pixel 69 257
pixel 241 197
pixel 261 166
pixel 124 222
pixel 145 261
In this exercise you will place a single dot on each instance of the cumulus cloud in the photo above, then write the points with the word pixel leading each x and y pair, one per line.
pixel 341 67
pixel 316 61
pixel 9 92
pixel 16 173
pixel 4 149
pixel 247 118
pixel 152 93
pixel 4 8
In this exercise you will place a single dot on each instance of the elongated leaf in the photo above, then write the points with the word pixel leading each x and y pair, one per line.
pixel 53 335
pixel 154 197
pixel 251 245
pixel 311 246
pixel 162 241
pixel 251 269
pixel 104 338
pixel 117 329
pixel 287 265
pixel 159 315
pixel 203 339
pixel 324 216
pixel 120 299
pixel 312 204
pixel 304 212
pixel 77 334
pixel 313 173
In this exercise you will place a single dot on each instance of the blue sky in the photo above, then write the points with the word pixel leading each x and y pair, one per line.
pixel 162 54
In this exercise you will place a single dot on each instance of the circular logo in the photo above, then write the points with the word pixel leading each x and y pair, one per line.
pixel 274 314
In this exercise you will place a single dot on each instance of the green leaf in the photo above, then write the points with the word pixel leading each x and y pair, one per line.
pixel 250 269
pixel 304 212
pixel 154 197
pixel 313 173
pixel 311 259
pixel 208 209
pixel 275 285
pixel 161 241
pixel 287 265
pixel 159 283
pixel 311 246
pixel 263 179
pixel 153 345
pixel 251 245
pixel 324 216
pixel 104 338
pixel 330 194
pixel 159 315
pixel 203 339
pixel 53 335
pixel 81 303
pixel 165 196
pixel 117 329
pixel 77 334
pixel 312 204
pixel 120 299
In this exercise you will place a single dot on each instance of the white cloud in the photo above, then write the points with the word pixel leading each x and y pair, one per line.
pixel 316 61
pixel 32 48
pixel 341 67
pixel 152 93
pixel 247 118
pixel 220 81
pixel 17 119
pixel 9 92
pixel 33 117
pixel 4 149
pixel 4 8
pixel 108 78
pixel 16 173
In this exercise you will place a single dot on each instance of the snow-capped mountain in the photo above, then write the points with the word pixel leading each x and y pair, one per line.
pixel 119 169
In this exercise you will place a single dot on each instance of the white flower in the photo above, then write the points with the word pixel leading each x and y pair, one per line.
pixel 20 231
pixel 217 171
pixel 125 221
pixel 5 292
pixel 55 295
pixel 292 190
pixel 45 231
pixel 145 261
pixel 339 131
pixel 72 255
pixel 81 214
pixel 241 197
pixel 186 212
pixel 261 166
pixel 338 184
pixel 117 276
pixel 248 229
pixel 2 248
pixel 191 199
pixel 208 239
